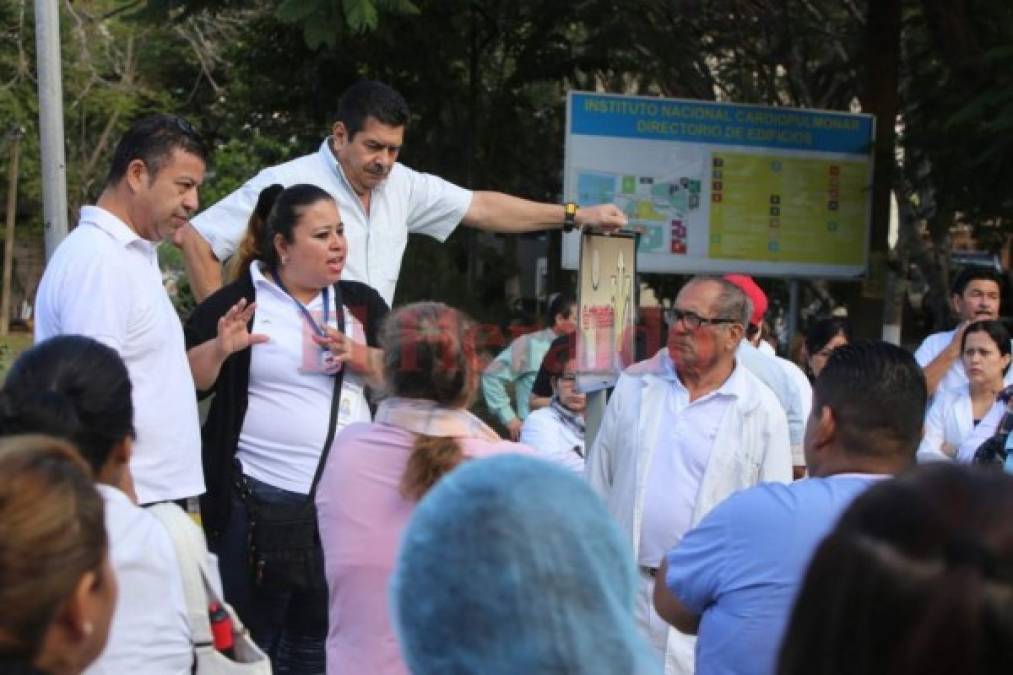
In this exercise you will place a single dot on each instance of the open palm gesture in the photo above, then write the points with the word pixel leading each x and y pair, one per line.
pixel 233 333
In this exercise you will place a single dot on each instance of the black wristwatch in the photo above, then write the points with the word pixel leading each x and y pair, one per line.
pixel 569 216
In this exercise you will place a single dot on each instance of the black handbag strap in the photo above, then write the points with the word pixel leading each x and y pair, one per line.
pixel 339 378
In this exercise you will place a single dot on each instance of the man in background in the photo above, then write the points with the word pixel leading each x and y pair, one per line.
pixel 976 296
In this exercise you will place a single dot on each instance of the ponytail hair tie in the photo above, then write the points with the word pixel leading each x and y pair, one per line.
pixel 265 201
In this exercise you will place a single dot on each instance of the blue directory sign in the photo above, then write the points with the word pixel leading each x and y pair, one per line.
pixel 723 187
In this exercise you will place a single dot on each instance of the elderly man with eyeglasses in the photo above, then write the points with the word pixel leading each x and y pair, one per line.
pixel 682 431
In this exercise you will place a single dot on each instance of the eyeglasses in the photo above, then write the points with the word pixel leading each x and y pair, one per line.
pixel 692 320
pixel 568 377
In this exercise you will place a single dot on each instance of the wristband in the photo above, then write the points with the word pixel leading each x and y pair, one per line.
pixel 569 216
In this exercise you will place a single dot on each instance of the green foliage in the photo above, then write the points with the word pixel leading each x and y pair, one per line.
pixel 237 159
pixel 434 270
pixel 19 107
pixel 11 348
pixel 323 23
pixel 487 79
pixel 957 88
pixel 114 69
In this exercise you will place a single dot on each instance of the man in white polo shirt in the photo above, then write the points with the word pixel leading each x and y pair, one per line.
pixel 103 281
pixel 381 201
pixel 682 431
pixel 976 296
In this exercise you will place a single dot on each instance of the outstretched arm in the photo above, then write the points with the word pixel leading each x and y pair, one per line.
pixel 498 212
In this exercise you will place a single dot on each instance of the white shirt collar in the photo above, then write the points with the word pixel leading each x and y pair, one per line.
pixel 257 276
pixel 855 474
pixel 113 494
pixel 735 385
pixel 328 157
pixel 261 281
pixel 111 225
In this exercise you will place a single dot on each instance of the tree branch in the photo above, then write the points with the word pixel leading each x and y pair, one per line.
pixel 120 10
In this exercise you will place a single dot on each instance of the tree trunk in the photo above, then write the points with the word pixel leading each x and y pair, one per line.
pixel 881 61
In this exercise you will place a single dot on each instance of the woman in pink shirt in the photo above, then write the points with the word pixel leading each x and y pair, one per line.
pixel 377 472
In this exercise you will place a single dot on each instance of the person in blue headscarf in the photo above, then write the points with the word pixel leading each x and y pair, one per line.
pixel 512 565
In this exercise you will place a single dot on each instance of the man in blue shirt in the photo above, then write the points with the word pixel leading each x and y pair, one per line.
pixel 733 578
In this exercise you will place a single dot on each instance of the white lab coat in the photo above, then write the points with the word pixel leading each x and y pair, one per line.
pixel 950 419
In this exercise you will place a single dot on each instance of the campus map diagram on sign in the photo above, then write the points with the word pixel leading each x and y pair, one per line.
pixel 660 207
pixel 717 187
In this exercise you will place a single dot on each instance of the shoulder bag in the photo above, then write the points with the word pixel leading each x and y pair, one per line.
pixel 200 594
pixel 285 545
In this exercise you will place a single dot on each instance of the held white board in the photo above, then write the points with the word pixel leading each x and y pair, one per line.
pixel 606 304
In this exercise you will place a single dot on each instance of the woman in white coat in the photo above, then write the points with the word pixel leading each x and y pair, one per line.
pixel 985 352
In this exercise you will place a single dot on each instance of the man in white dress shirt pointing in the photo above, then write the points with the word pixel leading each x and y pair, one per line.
pixel 380 199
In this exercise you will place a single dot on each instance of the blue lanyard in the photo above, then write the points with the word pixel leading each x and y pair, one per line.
pixel 305 312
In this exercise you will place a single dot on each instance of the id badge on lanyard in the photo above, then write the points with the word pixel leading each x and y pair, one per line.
pixel 352 398
pixel 316 358
pixel 327 363
pixel 352 390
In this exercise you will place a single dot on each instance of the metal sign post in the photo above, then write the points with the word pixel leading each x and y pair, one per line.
pixel 54 162
pixel 594 412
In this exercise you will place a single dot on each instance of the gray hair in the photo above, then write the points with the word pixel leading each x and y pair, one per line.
pixel 731 303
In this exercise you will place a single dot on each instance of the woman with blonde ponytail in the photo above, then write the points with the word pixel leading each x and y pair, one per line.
pixel 377 472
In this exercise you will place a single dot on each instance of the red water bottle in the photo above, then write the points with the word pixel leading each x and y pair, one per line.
pixel 221 629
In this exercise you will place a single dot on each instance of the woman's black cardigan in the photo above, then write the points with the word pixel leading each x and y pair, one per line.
pixel 220 433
